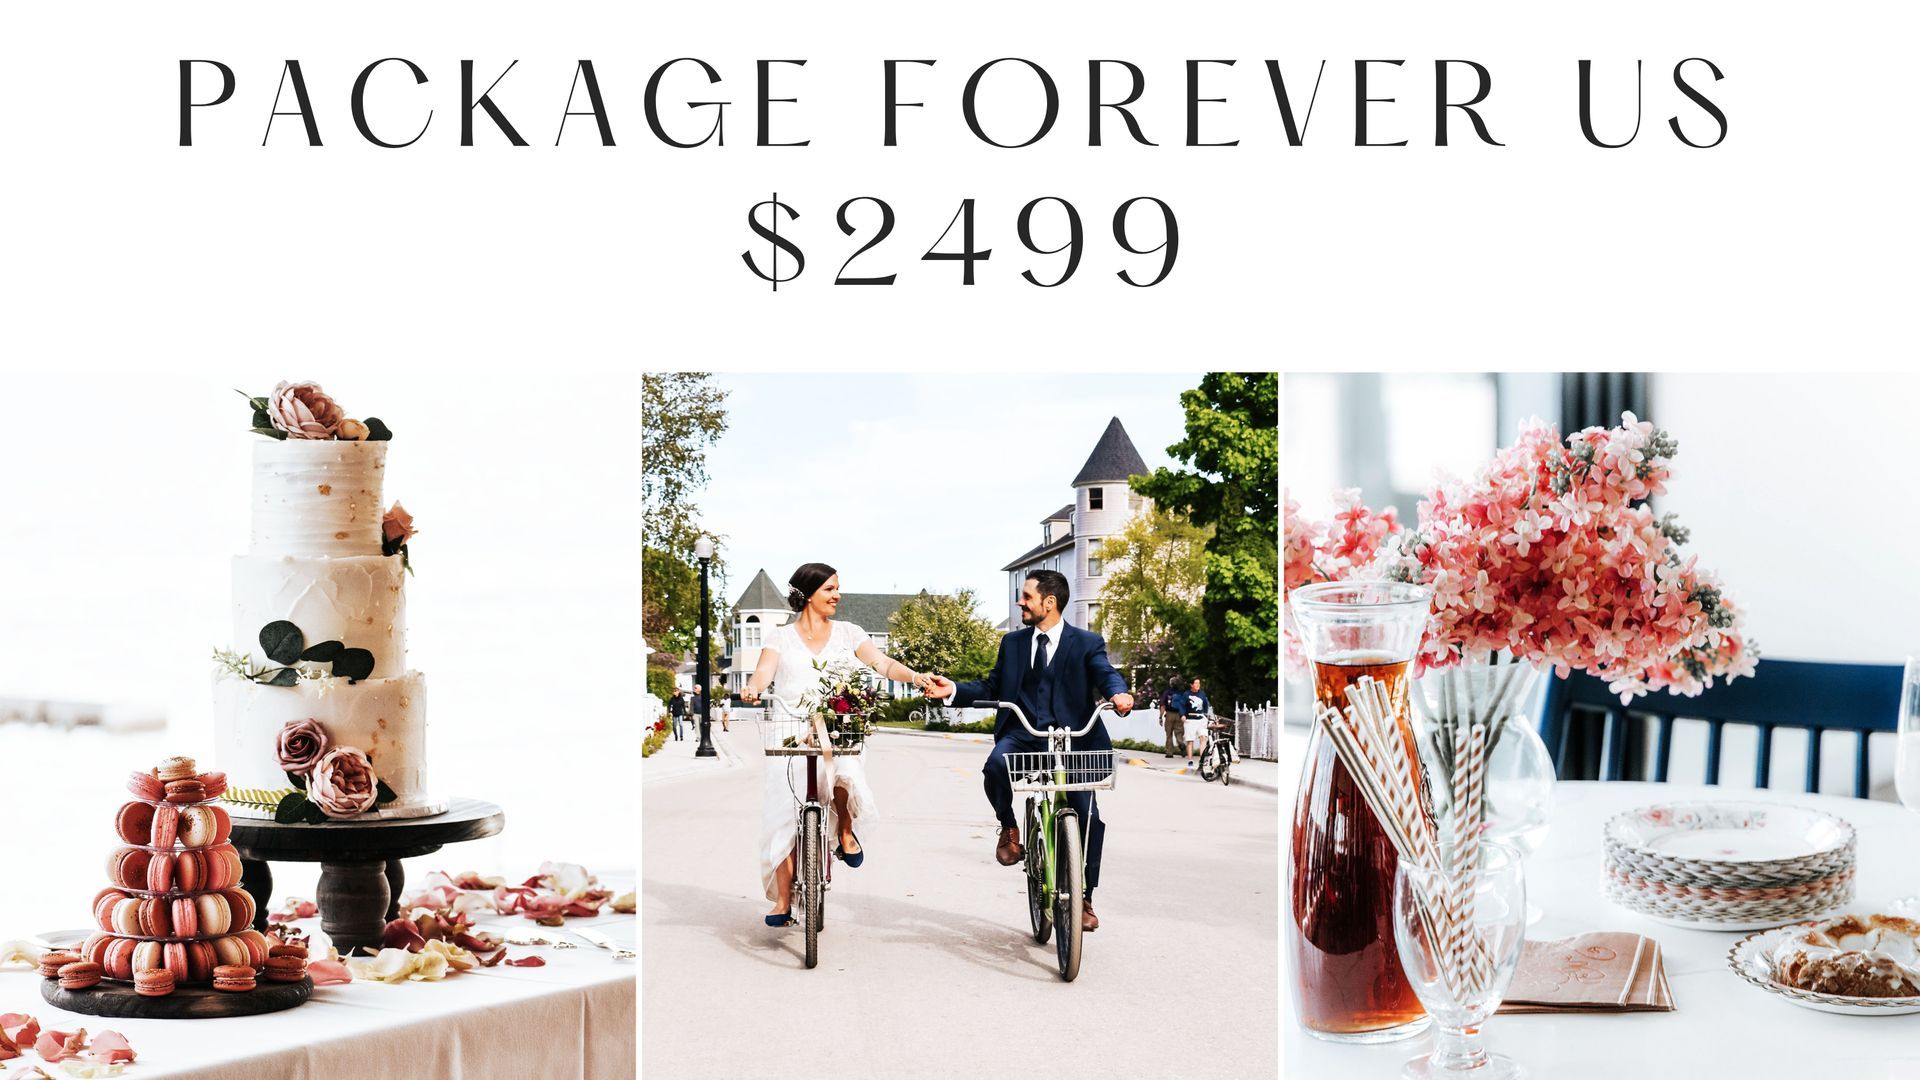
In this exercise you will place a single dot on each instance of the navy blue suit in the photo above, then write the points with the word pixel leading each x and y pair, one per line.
pixel 1077 676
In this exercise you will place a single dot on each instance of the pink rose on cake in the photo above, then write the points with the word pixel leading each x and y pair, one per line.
pixel 301 745
pixel 397 526
pixel 343 783
pixel 304 411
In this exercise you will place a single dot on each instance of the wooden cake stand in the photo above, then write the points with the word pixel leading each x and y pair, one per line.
pixel 361 878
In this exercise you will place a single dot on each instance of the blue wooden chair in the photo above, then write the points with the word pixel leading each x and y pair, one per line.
pixel 1861 698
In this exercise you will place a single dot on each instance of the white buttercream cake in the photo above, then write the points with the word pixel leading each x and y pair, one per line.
pixel 317 562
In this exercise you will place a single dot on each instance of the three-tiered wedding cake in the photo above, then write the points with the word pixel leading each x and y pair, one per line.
pixel 319 627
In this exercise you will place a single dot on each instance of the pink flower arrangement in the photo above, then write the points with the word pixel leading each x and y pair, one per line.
pixel 397 526
pixel 1550 554
pixel 343 783
pixel 304 411
pixel 300 746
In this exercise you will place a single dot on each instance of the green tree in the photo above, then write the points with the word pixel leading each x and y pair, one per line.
pixel 1233 485
pixel 1150 609
pixel 940 633
pixel 682 414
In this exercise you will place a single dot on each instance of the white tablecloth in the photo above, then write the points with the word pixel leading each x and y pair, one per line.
pixel 573 1018
pixel 1721 1027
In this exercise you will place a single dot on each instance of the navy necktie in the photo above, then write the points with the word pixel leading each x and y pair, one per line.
pixel 1040 655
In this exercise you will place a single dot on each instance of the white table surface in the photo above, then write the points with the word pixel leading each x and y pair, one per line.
pixel 1721 1027
pixel 573 1018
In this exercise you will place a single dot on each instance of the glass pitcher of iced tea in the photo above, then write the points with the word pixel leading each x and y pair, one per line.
pixel 1347 984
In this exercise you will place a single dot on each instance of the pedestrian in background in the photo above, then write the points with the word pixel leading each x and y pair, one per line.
pixel 1194 705
pixel 1171 720
pixel 677 708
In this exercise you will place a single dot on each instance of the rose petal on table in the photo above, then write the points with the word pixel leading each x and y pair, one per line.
pixel 20 1027
pixel 111 1046
pixel 89 1070
pixel 403 934
pixel 34 1072
pixel 21 952
pixel 329 973
pixel 528 961
pixel 60 1045
pixel 626 903
pixel 8 1050
pixel 389 965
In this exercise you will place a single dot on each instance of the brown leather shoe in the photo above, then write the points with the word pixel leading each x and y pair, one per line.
pixel 1089 922
pixel 1008 850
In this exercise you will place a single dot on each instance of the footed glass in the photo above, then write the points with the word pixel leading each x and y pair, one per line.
pixel 1460 994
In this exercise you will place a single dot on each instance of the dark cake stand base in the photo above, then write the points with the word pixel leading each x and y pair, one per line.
pixel 117 1000
pixel 361 879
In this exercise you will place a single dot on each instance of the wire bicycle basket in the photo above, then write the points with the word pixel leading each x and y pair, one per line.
pixel 782 733
pixel 1065 770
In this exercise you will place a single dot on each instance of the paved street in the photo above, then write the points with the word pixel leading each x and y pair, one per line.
pixel 926 968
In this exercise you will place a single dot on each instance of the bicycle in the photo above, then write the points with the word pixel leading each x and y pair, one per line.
pixel 1055 864
pixel 812 868
pixel 1219 754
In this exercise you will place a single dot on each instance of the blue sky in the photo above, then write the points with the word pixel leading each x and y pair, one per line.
pixel 905 482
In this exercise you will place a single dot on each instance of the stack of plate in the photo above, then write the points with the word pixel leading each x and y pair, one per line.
pixel 1729 866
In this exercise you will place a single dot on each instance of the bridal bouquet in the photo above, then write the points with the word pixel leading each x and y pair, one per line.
pixel 1551 555
pixel 844 698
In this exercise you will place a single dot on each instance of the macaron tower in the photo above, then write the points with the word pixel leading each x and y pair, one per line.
pixel 173 903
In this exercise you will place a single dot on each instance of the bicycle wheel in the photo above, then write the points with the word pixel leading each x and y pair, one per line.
pixel 1070 896
pixel 1226 762
pixel 1206 764
pixel 1039 908
pixel 808 879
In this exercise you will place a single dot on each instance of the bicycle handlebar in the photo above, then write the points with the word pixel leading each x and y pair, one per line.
pixel 1105 706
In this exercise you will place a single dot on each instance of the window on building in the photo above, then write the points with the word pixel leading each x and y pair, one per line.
pixel 1093 615
pixel 750 633
pixel 1094 568
pixel 1096 498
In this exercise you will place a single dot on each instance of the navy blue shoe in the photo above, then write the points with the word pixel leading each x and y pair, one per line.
pixel 783 919
pixel 855 859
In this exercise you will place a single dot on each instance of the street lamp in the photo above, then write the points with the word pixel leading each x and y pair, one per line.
pixel 703 550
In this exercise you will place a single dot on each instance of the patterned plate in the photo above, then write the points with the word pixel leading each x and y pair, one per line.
pixel 1731 844
pixel 1748 959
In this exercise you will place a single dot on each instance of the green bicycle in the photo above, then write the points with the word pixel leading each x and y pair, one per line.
pixel 1056 864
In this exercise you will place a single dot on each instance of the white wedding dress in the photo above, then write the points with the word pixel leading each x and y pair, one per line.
pixel 786 777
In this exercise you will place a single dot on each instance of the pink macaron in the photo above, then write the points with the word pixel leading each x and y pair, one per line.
pixel 146 786
pixel 166 822
pixel 199 961
pixel 160 872
pixel 118 959
pixel 155 920
pixel 240 907
pixel 175 955
pixel 127 867
pixel 258 947
pixel 186 917
pixel 135 822
pixel 103 904
pixel 95 948
pixel 215 784
pixel 190 870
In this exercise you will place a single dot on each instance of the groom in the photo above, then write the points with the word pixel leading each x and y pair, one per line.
pixel 1056 673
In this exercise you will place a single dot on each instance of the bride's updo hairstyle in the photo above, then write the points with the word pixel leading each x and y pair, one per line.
pixel 805 582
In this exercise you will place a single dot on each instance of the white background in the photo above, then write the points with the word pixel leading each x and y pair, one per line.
pixel 1783 243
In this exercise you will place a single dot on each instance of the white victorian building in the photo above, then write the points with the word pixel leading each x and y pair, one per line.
pixel 764 605
pixel 1070 537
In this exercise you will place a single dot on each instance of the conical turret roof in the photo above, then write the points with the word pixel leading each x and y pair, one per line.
pixel 1113 459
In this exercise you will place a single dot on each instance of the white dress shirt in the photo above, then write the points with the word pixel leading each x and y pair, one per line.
pixel 1053 634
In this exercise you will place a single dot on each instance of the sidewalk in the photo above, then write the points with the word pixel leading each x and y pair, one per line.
pixel 674 760
pixel 1258 775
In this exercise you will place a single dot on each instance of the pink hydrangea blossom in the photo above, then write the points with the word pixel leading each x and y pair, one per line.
pixel 1551 554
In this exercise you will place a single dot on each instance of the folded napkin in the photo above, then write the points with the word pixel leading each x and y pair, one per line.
pixel 1600 972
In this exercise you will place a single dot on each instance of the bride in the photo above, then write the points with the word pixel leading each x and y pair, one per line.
pixel 786 661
